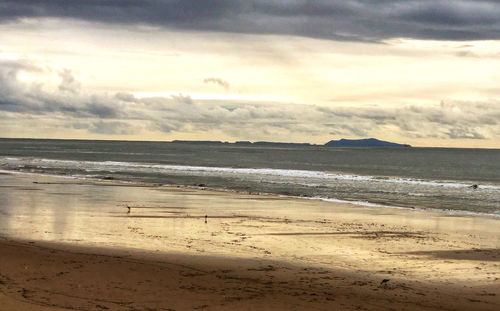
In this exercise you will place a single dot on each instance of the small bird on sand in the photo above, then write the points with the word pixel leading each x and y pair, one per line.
pixel 206 216
pixel 384 281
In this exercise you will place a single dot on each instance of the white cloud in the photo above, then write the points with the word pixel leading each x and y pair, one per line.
pixel 121 113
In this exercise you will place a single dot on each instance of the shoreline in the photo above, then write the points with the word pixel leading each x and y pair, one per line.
pixel 117 182
pixel 73 245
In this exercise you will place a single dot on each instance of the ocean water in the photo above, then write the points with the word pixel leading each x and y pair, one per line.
pixel 423 178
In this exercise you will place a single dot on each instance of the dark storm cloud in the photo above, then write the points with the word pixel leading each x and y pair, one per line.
pixel 455 13
pixel 330 19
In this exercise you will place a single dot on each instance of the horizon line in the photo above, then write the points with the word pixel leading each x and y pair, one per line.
pixel 234 142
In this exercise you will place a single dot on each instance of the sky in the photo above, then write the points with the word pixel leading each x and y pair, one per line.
pixel 424 72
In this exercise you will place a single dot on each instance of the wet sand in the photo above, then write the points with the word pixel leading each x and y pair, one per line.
pixel 73 245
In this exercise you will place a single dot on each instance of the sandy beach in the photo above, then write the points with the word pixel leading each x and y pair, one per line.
pixel 171 155
pixel 72 244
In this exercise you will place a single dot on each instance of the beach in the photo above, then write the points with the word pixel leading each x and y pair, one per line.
pixel 73 244
pixel 255 155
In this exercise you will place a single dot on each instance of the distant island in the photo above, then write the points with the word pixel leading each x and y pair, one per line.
pixel 240 143
pixel 368 142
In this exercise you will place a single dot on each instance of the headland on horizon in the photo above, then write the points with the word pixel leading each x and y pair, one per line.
pixel 366 142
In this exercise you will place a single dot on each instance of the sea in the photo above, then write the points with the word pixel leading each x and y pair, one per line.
pixel 437 179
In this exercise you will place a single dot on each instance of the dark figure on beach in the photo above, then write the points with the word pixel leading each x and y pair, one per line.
pixel 128 212
pixel 206 216
pixel 474 186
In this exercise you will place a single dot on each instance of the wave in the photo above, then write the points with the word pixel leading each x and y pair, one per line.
pixel 114 166
pixel 275 172
pixel 369 204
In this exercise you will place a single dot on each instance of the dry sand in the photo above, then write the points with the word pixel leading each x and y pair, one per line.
pixel 70 245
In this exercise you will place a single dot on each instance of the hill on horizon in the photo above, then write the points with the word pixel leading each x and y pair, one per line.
pixel 367 142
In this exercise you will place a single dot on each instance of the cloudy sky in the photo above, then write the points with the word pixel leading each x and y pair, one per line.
pixel 423 72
